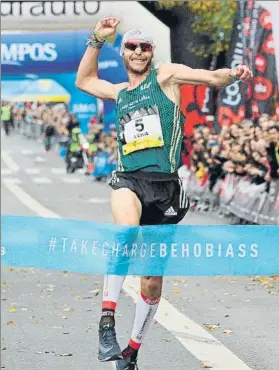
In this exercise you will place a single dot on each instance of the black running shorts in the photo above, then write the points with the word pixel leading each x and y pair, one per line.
pixel 162 196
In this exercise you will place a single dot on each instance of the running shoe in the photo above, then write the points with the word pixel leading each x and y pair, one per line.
pixel 129 361
pixel 109 349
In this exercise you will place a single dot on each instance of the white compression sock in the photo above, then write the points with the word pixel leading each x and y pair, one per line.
pixel 111 291
pixel 145 311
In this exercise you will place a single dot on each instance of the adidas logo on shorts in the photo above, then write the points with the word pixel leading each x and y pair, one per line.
pixel 170 212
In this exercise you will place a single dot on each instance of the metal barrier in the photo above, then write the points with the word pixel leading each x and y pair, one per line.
pixel 236 195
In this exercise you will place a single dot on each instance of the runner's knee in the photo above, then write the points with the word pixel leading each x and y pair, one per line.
pixel 151 286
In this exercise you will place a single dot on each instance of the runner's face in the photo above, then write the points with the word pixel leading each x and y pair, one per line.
pixel 138 56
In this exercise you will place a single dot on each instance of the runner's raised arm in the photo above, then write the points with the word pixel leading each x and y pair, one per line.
pixel 87 76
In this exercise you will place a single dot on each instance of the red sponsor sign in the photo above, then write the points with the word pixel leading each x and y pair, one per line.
pixel 262 88
pixel 255 109
pixel 247 23
pixel 260 63
pixel 192 98
pixel 265 20
pixel 268 45
pixel 226 116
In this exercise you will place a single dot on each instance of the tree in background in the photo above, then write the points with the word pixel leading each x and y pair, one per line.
pixel 214 19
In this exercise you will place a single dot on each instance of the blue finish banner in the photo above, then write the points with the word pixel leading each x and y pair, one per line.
pixel 172 250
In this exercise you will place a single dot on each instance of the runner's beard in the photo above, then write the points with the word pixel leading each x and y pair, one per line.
pixel 136 71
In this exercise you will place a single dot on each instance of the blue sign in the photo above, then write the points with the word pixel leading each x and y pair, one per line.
pixel 56 56
pixel 170 250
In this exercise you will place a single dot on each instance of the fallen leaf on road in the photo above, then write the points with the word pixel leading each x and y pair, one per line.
pixel 168 340
pixel 78 298
pixel 68 309
pixel 64 317
pixel 65 354
pixel 179 281
pixel 227 331
pixel 10 323
pixel 3 348
pixel 262 280
pixel 211 326
pixel 177 291
pixel 95 291
pixel 12 309
pixel 4 284
pixel 206 365
pixel 66 333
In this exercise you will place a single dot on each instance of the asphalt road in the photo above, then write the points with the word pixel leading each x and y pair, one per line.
pixel 50 319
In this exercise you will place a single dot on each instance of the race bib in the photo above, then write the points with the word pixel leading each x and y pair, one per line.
pixel 141 129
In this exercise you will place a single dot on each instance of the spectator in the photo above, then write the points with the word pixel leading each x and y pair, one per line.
pixel 273 151
pixel 246 149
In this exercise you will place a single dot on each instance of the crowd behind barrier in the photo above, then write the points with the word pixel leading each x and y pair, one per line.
pixel 38 120
pixel 234 172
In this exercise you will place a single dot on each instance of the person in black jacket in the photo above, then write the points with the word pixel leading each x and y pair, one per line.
pixel 273 151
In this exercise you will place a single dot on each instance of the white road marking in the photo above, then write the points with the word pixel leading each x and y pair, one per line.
pixel 11 164
pixel 71 180
pixel 29 202
pixel 99 200
pixel 193 337
pixel 6 171
pixel 32 171
pixel 42 180
pixel 27 151
pixel 58 171
pixel 40 159
pixel 80 171
pixel 11 180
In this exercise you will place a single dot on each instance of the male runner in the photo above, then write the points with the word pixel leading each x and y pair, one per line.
pixel 146 187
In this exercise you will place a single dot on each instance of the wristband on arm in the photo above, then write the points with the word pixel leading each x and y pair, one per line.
pixel 96 41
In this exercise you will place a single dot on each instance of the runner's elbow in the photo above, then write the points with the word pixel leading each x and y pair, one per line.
pixel 82 83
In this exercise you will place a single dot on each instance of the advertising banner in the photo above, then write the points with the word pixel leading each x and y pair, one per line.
pixel 49 63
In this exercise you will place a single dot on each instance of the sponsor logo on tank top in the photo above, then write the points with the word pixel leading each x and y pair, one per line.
pixel 146 86
pixel 132 103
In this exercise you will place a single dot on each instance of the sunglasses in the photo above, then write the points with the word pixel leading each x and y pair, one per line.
pixel 145 46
